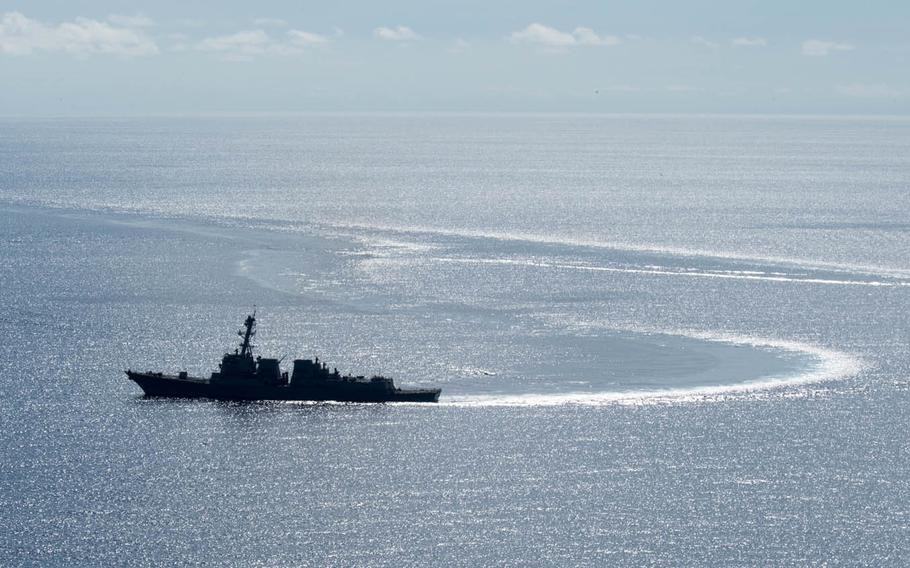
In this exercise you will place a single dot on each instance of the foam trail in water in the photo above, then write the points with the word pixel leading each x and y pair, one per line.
pixel 694 273
pixel 886 272
pixel 829 365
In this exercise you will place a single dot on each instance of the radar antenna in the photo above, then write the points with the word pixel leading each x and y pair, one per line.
pixel 246 348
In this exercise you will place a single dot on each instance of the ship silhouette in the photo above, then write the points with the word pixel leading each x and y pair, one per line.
pixel 243 377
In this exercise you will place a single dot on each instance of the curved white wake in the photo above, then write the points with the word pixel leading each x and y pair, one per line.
pixel 828 365
pixel 690 273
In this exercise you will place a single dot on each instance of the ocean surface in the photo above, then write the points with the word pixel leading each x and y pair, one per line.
pixel 662 340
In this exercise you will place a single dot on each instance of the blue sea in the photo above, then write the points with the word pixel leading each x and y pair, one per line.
pixel 662 340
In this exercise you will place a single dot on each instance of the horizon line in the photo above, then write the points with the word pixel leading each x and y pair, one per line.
pixel 403 113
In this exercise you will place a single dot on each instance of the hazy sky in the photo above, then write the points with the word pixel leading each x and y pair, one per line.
pixel 72 57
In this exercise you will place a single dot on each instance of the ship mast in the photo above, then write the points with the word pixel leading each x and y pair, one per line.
pixel 246 348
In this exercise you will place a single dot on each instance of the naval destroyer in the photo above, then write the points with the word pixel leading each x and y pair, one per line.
pixel 244 377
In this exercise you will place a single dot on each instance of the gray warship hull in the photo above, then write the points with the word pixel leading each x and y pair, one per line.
pixel 173 386
pixel 240 376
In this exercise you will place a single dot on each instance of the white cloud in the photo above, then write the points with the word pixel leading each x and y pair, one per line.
pixel 306 39
pixel 401 33
pixel 544 35
pixel 551 37
pixel 20 35
pixel 136 21
pixel 868 91
pixel 239 46
pixel 270 23
pixel 586 36
pixel 699 40
pixel 820 48
pixel 681 88
pixel 248 44
pixel 750 42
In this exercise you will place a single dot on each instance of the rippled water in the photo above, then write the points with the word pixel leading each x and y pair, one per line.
pixel 661 340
